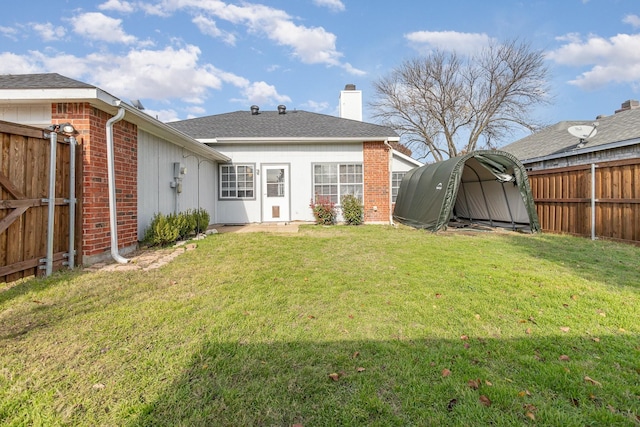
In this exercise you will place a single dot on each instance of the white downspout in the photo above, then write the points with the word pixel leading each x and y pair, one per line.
pixel 386 142
pixel 113 220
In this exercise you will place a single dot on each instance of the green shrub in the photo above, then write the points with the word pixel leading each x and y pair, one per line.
pixel 324 210
pixel 352 210
pixel 202 219
pixel 161 232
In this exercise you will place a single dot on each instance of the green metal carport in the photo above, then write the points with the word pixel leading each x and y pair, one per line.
pixel 488 187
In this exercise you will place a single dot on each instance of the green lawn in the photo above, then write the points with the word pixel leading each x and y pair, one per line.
pixel 334 326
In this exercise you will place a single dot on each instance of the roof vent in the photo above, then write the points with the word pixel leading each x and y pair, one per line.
pixel 282 109
pixel 350 86
pixel 255 110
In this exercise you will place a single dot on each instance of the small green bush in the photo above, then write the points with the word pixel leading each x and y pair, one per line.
pixel 202 219
pixel 324 210
pixel 166 229
pixel 161 231
pixel 352 210
pixel 184 222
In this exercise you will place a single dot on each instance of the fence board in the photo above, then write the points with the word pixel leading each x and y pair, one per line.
pixel 24 183
pixel 563 199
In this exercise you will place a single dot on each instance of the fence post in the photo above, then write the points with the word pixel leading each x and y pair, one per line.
pixel 53 137
pixel 593 201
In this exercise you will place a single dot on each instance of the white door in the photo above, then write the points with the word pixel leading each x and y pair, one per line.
pixel 275 193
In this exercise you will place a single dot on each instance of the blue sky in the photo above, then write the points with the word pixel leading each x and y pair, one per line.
pixel 190 58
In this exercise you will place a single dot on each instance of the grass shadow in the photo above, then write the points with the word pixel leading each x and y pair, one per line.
pixel 404 382
pixel 598 260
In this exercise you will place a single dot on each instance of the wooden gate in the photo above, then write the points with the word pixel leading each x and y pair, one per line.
pixel 24 193
pixel 564 198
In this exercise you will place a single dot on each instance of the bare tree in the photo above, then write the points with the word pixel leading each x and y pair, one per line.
pixel 445 105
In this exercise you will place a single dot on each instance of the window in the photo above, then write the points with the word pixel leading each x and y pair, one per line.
pixel 333 180
pixel 396 179
pixel 236 182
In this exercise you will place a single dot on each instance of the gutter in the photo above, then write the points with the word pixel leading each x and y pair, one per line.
pixel 386 142
pixel 113 221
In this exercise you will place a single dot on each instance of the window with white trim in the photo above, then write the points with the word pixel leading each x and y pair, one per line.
pixel 237 181
pixel 396 179
pixel 334 180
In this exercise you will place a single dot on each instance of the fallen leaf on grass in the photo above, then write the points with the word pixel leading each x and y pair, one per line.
pixel 98 386
pixel 334 376
pixel 489 383
pixel 474 384
pixel 360 369
pixel 524 393
pixel 356 354
pixel 564 357
pixel 529 407
pixel 574 297
pixel 596 339
pixel 485 400
pixel 601 313
pixel 565 328
pixel 438 295
pixel 592 381
pixel 446 372
pixel 531 416
pixel 464 337
pixel 528 331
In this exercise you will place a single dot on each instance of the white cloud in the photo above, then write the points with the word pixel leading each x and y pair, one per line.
pixel 261 93
pixel 316 107
pixel 612 60
pixel 334 5
pixel 633 20
pixel 163 115
pixel 209 27
pixel 311 45
pixel 48 32
pixel 97 26
pixel 462 43
pixel 9 32
pixel 10 63
pixel 165 74
pixel 118 6
pixel 351 70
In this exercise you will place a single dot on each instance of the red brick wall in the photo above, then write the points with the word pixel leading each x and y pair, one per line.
pixel 91 125
pixel 376 182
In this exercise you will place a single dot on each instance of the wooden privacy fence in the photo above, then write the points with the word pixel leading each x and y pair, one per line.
pixel 599 200
pixel 24 202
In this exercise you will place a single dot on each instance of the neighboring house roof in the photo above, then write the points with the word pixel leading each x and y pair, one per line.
pixel 53 87
pixel 618 130
pixel 271 125
pixel 40 81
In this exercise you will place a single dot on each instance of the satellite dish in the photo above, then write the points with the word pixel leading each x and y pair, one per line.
pixel 583 132
pixel 136 103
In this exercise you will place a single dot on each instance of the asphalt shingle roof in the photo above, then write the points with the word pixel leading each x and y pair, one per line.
pixel 556 140
pixel 271 124
pixel 40 81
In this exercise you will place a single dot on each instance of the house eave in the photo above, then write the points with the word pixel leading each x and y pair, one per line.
pixel 584 150
pixel 302 140
pixel 110 104
pixel 406 158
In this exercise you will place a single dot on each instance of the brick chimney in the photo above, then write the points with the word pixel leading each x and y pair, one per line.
pixel 631 104
pixel 350 104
